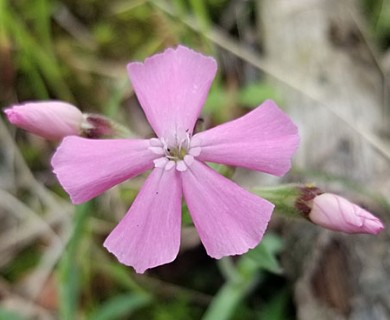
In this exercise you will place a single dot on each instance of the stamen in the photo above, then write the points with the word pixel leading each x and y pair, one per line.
pixel 178 152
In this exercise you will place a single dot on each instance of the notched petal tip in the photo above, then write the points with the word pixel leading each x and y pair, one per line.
pixel 85 168
pixel 229 219
pixel 171 87
pixel 149 234
pixel 140 269
pixel 264 139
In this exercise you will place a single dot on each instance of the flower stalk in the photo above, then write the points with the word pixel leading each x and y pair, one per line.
pixel 284 197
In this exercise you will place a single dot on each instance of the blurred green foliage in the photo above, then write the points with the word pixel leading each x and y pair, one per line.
pixel 378 12
pixel 9 315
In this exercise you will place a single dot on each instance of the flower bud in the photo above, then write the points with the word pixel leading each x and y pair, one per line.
pixel 324 209
pixel 338 214
pixel 52 120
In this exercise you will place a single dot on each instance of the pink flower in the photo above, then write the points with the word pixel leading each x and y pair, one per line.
pixel 172 87
pixel 51 120
pixel 336 213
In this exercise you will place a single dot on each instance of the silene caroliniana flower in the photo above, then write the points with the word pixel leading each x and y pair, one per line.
pixel 171 88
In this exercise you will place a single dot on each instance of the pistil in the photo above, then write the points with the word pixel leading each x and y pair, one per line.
pixel 176 152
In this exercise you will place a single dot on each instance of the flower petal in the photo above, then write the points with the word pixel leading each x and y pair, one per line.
pixel 149 234
pixel 264 139
pixel 172 87
pixel 86 168
pixel 229 219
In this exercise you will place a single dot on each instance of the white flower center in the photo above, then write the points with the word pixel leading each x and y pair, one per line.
pixel 177 151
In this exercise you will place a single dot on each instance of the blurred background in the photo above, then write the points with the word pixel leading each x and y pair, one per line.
pixel 325 62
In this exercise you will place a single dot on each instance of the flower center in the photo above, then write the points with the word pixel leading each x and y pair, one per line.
pixel 176 151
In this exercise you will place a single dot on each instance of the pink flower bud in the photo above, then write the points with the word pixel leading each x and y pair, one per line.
pixel 338 214
pixel 51 120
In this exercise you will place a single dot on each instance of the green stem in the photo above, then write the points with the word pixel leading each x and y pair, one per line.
pixel 284 198
pixel 229 296
pixel 228 269
pixel 69 267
